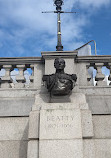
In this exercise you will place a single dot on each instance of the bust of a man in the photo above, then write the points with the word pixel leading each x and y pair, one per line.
pixel 60 83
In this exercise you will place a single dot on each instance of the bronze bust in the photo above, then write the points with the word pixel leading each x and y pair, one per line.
pixel 60 83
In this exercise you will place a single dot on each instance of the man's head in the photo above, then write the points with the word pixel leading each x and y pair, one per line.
pixel 59 63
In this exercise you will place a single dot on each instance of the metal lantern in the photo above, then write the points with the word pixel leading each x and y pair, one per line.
pixel 58 4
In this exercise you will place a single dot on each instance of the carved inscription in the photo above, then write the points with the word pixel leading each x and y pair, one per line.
pixel 60 124
pixel 59 121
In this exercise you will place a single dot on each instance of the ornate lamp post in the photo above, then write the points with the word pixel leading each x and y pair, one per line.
pixel 58 4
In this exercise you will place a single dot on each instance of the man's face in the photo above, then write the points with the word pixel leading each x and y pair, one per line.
pixel 59 64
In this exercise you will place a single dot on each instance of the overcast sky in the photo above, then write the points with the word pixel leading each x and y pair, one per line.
pixel 25 31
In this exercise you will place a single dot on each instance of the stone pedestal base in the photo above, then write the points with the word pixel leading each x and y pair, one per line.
pixel 61 148
pixel 56 130
pixel 33 149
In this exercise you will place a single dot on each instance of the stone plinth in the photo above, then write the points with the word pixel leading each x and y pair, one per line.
pixel 57 127
pixel 61 148
pixel 74 101
pixel 60 134
pixel 33 147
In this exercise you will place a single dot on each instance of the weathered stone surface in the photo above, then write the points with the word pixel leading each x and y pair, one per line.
pixel 76 100
pixel 89 148
pixel 102 148
pixel 34 125
pixel 97 148
pixel 13 149
pixel 18 85
pixel 15 106
pixel 102 126
pixel 60 124
pixel 52 106
pixel 83 106
pixel 87 125
pixel 95 91
pixel 33 149
pixel 49 66
pixel 14 128
pixel 59 106
pixel 99 104
pixel 82 74
pixel 5 85
pixel 17 93
pixel 61 148
pixel 38 74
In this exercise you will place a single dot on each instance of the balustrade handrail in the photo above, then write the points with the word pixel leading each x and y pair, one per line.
pixel 20 60
pixel 93 59
pixel 32 60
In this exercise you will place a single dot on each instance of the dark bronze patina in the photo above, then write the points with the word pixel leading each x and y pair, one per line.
pixel 60 83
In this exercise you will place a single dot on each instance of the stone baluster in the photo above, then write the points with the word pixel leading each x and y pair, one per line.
pixel 109 66
pixel 6 79
pixel 88 76
pixel 20 78
pixel 32 76
pixel 99 76
pixel 21 72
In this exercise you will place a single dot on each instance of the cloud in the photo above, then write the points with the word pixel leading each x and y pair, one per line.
pixel 25 31
pixel 94 3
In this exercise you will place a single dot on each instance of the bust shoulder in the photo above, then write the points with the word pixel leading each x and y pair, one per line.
pixel 47 77
pixel 70 76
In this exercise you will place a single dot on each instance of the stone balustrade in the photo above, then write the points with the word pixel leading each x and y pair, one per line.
pixel 27 72
pixel 98 70
pixel 20 72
